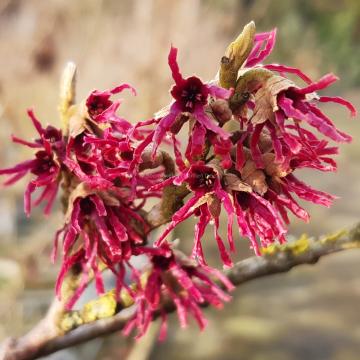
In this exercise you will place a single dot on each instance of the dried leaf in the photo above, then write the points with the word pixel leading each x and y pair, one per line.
pixel 266 98
pixel 233 182
pixel 203 200
pixel 214 206
pixel 77 120
pixel 108 198
pixel 254 177
pixel 180 120
pixel 216 165
pixel 81 191
pixel 265 143
pixel 271 167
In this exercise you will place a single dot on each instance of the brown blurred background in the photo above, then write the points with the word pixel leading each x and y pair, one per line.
pixel 310 313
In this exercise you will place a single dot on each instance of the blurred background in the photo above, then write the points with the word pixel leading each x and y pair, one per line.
pixel 309 313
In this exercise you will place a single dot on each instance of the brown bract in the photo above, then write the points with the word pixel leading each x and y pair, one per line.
pixel 272 168
pixel 77 120
pixel 233 182
pixel 266 98
pixel 254 177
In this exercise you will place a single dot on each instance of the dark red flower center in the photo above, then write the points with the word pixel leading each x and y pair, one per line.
pixel 190 93
pixel 162 262
pixel 87 206
pixel 127 155
pixel 86 167
pixel 52 134
pixel 97 104
pixel 44 164
pixel 202 177
pixel 243 199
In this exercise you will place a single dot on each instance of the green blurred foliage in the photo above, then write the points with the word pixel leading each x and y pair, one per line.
pixel 325 32
pixel 338 29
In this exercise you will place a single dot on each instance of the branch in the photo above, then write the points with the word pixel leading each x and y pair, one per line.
pixel 275 259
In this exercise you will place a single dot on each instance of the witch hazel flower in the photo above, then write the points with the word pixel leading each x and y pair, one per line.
pixel 190 99
pixel 200 139
pixel 175 277
pixel 82 161
pixel 96 123
pixel 257 218
pixel 111 155
pixel 108 157
pixel 207 196
pixel 114 155
pixel 44 167
pixel 102 110
pixel 295 103
pixel 282 109
pixel 264 102
pixel 314 153
pixel 263 196
pixel 105 227
pixel 246 191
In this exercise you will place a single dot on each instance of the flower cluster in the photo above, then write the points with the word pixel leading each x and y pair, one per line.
pixel 174 277
pixel 246 139
pixel 45 166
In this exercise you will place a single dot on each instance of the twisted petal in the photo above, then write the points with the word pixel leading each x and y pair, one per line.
pixel 323 83
pixel 210 124
pixel 256 56
pixel 288 69
pixel 219 92
pixel 175 71
pixel 341 101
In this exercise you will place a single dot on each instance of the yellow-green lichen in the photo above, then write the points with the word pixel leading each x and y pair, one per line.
pixel 299 246
pixel 271 249
pixel 103 307
pixel 334 236
pixel 70 321
pixel 296 248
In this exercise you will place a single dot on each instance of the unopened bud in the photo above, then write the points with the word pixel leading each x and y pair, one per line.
pixel 221 110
